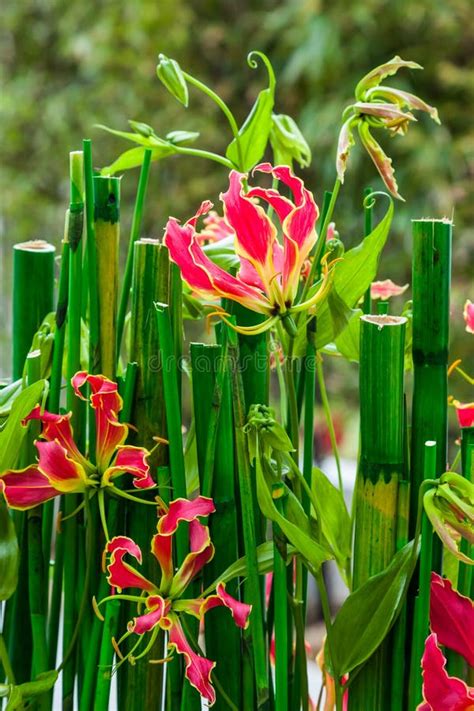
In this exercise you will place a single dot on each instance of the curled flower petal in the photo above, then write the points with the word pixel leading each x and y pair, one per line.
pixel 239 610
pixel 468 313
pixel 465 413
pixel 390 112
pixel 121 575
pixel 162 549
pixel 344 145
pixel 57 427
pixel 65 474
pixel 131 460
pixel 385 289
pixel 25 488
pixel 381 161
pixel 375 76
pixel 440 691
pixel 184 510
pixel 215 229
pixel 107 403
pixel 197 669
pixel 403 98
pixel 201 552
pixel 157 609
pixel 452 617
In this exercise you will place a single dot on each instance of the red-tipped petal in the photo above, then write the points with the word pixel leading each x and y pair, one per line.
pixel 198 669
pixel 385 289
pixel 440 691
pixel 57 427
pixel 121 575
pixel 468 313
pixel 107 403
pixel 452 617
pixel 131 460
pixel 239 610
pixel 65 474
pixel 201 552
pixel 157 609
pixel 465 413
pixel 184 510
pixel 26 488
pixel 162 549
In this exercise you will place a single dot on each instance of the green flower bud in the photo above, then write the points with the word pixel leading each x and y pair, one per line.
pixel 141 128
pixel 288 143
pixel 170 74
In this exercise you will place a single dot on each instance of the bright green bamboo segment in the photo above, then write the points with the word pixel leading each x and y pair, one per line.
pixel 33 286
pixel 134 236
pixel 60 332
pixel 467 459
pixel 381 466
pixel 91 253
pixel 211 397
pixel 431 280
pixel 281 608
pixel 252 592
pixel 107 236
pixel 398 635
pixel 421 616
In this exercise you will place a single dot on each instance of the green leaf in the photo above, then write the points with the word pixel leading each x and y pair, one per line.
pixel 352 277
pixel 288 143
pixel 367 615
pixel 254 133
pixel 223 253
pixel 11 436
pixel 8 395
pixel 347 342
pixel 43 683
pixel 9 554
pixel 134 158
pixel 296 530
pixel 334 519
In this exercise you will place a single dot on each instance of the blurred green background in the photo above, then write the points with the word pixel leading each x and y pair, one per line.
pixel 68 65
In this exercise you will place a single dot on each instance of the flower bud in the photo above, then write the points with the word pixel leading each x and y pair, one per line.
pixel 170 74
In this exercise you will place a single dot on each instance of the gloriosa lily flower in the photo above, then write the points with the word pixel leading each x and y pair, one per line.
pixel 385 289
pixel 379 107
pixel 215 229
pixel 163 603
pixel 61 468
pixel 452 625
pixel 468 313
pixel 269 274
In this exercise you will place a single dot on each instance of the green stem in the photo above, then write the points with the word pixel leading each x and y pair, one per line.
pixel 5 661
pixel 281 608
pixel 204 154
pixel 329 421
pixel 328 623
pixel 134 236
pixel 368 219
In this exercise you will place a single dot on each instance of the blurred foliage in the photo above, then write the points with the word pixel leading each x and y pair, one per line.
pixel 70 65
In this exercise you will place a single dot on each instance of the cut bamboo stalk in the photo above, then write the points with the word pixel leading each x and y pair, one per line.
pixel 281 608
pixel 107 236
pixel 381 466
pixel 33 287
pixel 91 253
pixel 431 279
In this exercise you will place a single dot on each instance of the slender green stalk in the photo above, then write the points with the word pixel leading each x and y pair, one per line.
pixel 368 220
pixel 252 591
pixel 323 594
pixel 212 409
pixel 93 295
pixel 329 421
pixel 310 387
pixel 33 284
pixel 431 279
pixel 107 236
pixel 134 236
pixel 421 618
pixel 398 700
pixel 281 608
pixel 381 466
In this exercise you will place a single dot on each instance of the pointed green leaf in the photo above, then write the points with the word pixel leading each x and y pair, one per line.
pixel 367 615
pixel 377 75
pixel 9 554
pixel 133 158
pixel 347 342
pixel 333 518
pixel 11 436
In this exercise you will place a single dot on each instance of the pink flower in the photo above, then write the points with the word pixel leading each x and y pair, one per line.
pixel 452 625
pixel 465 413
pixel 215 229
pixel 385 289
pixel 61 468
pixel 468 314
pixel 269 275
pixel 164 602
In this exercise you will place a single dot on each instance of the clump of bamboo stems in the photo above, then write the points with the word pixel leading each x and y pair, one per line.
pixel 381 467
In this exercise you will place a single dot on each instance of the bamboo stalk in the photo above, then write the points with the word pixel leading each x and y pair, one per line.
pixel 91 253
pixel 421 617
pixel 33 285
pixel 281 608
pixel 107 236
pixel 398 700
pixel 381 466
pixel 209 398
pixel 134 236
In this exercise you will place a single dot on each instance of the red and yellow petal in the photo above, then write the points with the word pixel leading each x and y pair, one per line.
pixel 452 617
pixel 239 610
pixel 107 403
pixel 184 510
pixel 57 427
pixel 131 460
pixel 440 691
pixel 197 669
pixel 201 552
pixel 465 413
pixel 25 488
pixel 157 609
pixel 63 472
pixel 162 549
pixel 121 575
